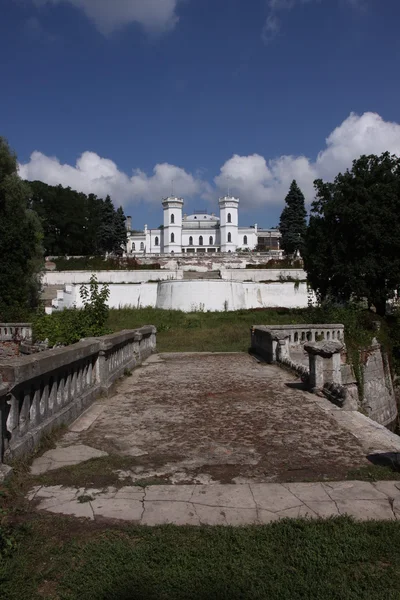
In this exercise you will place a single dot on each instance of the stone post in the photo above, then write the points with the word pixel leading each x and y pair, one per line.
pixel 325 363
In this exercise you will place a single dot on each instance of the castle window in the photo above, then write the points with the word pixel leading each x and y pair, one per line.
pixel 141 245
pixel 211 240
pixel 133 246
pixel 229 237
pixel 245 240
pixel 172 238
pixel 229 218
pixel 201 240
pixel 190 241
pixel 156 241
pixel 172 219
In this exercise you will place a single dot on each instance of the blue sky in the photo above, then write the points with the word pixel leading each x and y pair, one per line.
pixel 124 96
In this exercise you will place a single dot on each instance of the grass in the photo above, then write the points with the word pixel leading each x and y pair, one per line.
pixel 287 560
pixel 230 331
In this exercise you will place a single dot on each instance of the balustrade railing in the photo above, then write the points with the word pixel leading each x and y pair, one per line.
pixel 44 390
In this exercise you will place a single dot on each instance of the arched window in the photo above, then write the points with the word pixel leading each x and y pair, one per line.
pixel 133 246
pixel 211 240
pixel 172 219
pixel 229 237
pixel 229 218
pixel 245 240
pixel 201 240
pixel 156 241
pixel 190 241
pixel 141 245
pixel 172 238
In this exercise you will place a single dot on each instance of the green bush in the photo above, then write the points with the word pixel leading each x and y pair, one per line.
pixel 72 324
pixel 99 263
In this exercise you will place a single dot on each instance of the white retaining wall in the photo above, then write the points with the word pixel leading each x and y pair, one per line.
pixel 197 295
pixel 262 274
pixel 79 277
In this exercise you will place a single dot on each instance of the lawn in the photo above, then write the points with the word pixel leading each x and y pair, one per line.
pixel 230 331
pixel 58 558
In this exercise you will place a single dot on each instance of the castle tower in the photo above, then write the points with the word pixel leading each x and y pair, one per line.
pixel 172 224
pixel 229 223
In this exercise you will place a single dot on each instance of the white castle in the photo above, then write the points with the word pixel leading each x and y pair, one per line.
pixel 200 232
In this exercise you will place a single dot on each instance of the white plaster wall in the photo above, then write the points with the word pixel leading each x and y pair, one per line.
pixel 217 295
pixel 200 295
pixel 137 296
pixel 274 295
pixel 262 274
pixel 140 276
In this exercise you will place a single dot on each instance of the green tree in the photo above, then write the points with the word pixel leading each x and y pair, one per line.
pixel 106 230
pixel 119 231
pixel 352 248
pixel 293 224
pixel 20 241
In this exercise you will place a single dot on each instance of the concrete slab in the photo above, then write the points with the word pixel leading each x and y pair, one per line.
pixel 63 457
pixel 172 513
pixel 389 488
pixel 364 510
pixel 273 497
pixel 122 509
pixel 87 418
pixel 230 496
pixel 308 492
pixel 353 490
pixel 218 504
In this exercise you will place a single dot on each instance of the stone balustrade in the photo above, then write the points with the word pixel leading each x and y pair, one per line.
pixel 42 391
pixel 265 339
pixel 10 332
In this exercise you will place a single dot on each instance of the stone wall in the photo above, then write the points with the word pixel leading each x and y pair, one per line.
pixel 328 372
pixel 42 391
pixel 379 401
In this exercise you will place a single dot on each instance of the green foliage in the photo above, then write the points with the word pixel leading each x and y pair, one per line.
pixel 95 308
pixel 8 541
pixel 76 224
pixel 286 263
pixel 292 559
pixel 352 246
pixel 20 242
pixel 71 325
pixel 99 263
pixel 293 224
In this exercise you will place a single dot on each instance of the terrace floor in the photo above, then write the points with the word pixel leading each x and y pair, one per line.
pixel 206 419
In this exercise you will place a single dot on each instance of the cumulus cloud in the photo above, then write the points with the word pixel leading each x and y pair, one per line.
pixel 101 176
pixel 155 16
pixel 257 181
pixel 261 183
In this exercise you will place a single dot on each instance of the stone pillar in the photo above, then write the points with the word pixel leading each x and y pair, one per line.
pixel 325 363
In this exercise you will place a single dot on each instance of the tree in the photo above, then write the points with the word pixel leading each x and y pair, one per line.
pixel 20 241
pixel 293 224
pixel 119 231
pixel 352 248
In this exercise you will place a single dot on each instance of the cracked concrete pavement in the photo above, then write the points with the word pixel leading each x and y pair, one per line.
pixel 235 438
pixel 224 504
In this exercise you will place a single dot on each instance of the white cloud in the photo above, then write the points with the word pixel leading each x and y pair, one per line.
pixel 155 16
pixel 257 181
pixel 101 176
pixel 272 25
pixel 260 183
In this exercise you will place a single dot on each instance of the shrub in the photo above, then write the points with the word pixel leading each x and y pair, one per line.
pixel 72 324
pixel 99 263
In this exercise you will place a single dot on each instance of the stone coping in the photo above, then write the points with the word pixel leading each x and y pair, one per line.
pixel 16 370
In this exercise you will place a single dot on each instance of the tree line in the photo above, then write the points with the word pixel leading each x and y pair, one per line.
pixel 37 220
pixel 76 224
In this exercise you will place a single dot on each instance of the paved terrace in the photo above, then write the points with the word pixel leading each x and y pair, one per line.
pixel 214 439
